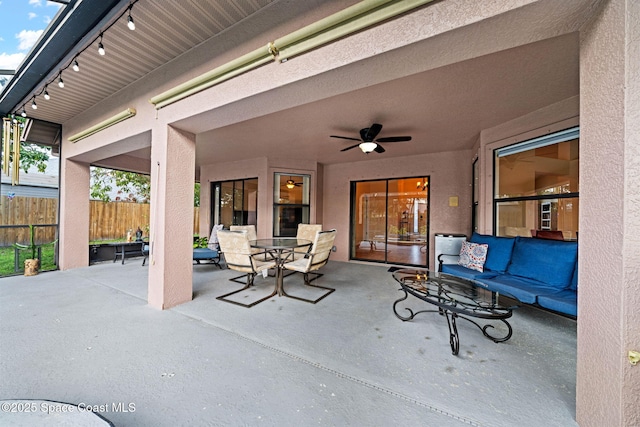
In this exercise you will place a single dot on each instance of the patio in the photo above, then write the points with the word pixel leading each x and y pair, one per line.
pixel 89 336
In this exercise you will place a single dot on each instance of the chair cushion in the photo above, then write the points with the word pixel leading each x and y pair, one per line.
pixel 564 302
pixel 473 255
pixel 498 253
pixel 549 261
pixel 204 253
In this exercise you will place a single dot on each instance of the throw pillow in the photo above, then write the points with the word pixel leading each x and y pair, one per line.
pixel 473 255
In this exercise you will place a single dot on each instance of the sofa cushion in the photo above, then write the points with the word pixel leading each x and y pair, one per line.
pixel 549 261
pixel 498 253
pixel 574 280
pixel 525 290
pixel 466 273
pixel 473 255
pixel 564 302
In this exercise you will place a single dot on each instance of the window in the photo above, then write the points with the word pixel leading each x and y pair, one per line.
pixel 537 186
pixel 235 202
pixel 390 221
pixel 291 195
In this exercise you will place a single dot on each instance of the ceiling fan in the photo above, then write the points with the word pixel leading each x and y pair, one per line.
pixel 367 136
pixel 290 184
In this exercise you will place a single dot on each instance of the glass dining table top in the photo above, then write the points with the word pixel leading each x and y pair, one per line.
pixel 280 243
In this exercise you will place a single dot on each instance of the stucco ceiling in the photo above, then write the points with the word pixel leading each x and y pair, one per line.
pixel 443 109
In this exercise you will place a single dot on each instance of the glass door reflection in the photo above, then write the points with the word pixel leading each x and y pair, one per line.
pixel 390 221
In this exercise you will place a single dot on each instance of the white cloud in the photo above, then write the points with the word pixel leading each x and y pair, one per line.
pixel 54 4
pixel 35 2
pixel 28 38
pixel 46 20
pixel 10 61
pixel 32 15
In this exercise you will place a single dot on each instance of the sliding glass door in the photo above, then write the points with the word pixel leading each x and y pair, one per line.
pixel 390 221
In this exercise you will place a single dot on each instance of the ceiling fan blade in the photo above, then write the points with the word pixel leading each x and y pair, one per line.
pixel 379 149
pixel 394 139
pixel 344 137
pixel 349 148
pixel 372 132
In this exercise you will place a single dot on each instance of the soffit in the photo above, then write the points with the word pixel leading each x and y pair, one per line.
pixel 164 31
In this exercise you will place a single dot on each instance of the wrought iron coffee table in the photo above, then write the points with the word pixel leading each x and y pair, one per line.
pixel 456 298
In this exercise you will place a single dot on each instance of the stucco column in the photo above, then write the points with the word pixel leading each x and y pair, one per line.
pixel 608 386
pixel 74 215
pixel 171 227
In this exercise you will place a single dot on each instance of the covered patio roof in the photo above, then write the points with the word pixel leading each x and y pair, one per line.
pixel 420 90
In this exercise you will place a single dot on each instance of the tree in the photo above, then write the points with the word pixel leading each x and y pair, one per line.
pixel 33 155
pixel 128 186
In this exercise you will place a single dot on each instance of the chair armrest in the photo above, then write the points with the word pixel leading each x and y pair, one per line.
pixel 441 261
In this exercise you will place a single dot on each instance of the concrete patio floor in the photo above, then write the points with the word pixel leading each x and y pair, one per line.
pixel 88 336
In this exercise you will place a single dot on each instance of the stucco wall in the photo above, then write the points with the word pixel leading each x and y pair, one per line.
pixel 450 175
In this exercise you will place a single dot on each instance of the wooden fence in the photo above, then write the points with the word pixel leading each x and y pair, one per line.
pixel 108 220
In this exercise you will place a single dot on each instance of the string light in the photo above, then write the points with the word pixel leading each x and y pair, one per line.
pixel 130 23
pixel 75 65
pixel 101 50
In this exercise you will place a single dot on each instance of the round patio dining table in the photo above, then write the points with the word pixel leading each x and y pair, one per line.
pixel 281 248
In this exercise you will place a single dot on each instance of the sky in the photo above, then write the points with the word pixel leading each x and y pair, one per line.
pixel 21 24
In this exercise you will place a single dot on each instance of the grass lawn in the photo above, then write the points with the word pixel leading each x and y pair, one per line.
pixel 7 260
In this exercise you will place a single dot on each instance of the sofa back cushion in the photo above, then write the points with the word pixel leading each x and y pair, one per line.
pixel 547 261
pixel 498 253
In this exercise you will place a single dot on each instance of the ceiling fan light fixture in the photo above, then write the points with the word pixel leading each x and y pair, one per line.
pixel 290 184
pixel 367 147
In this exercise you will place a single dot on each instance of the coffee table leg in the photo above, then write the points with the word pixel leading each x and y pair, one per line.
pixel 454 339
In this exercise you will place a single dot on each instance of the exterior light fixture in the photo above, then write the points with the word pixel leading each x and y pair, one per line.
pixel 76 66
pixel 46 94
pixel 101 50
pixel 60 82
pixel 367 147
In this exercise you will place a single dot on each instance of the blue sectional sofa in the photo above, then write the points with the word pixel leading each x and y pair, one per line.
pixel 535 271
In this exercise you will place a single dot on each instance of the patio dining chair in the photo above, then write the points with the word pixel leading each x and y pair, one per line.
pixel 309 262
pixel 239 256
pixel 251 233
pixel 307 232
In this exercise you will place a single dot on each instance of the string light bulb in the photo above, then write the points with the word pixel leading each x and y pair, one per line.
pixel 13 119
pixel 130 23
pixel 33 104
pixel 46 94
pixel 24 112
pixel 60 82
pixel 76 66
pixel 101 50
